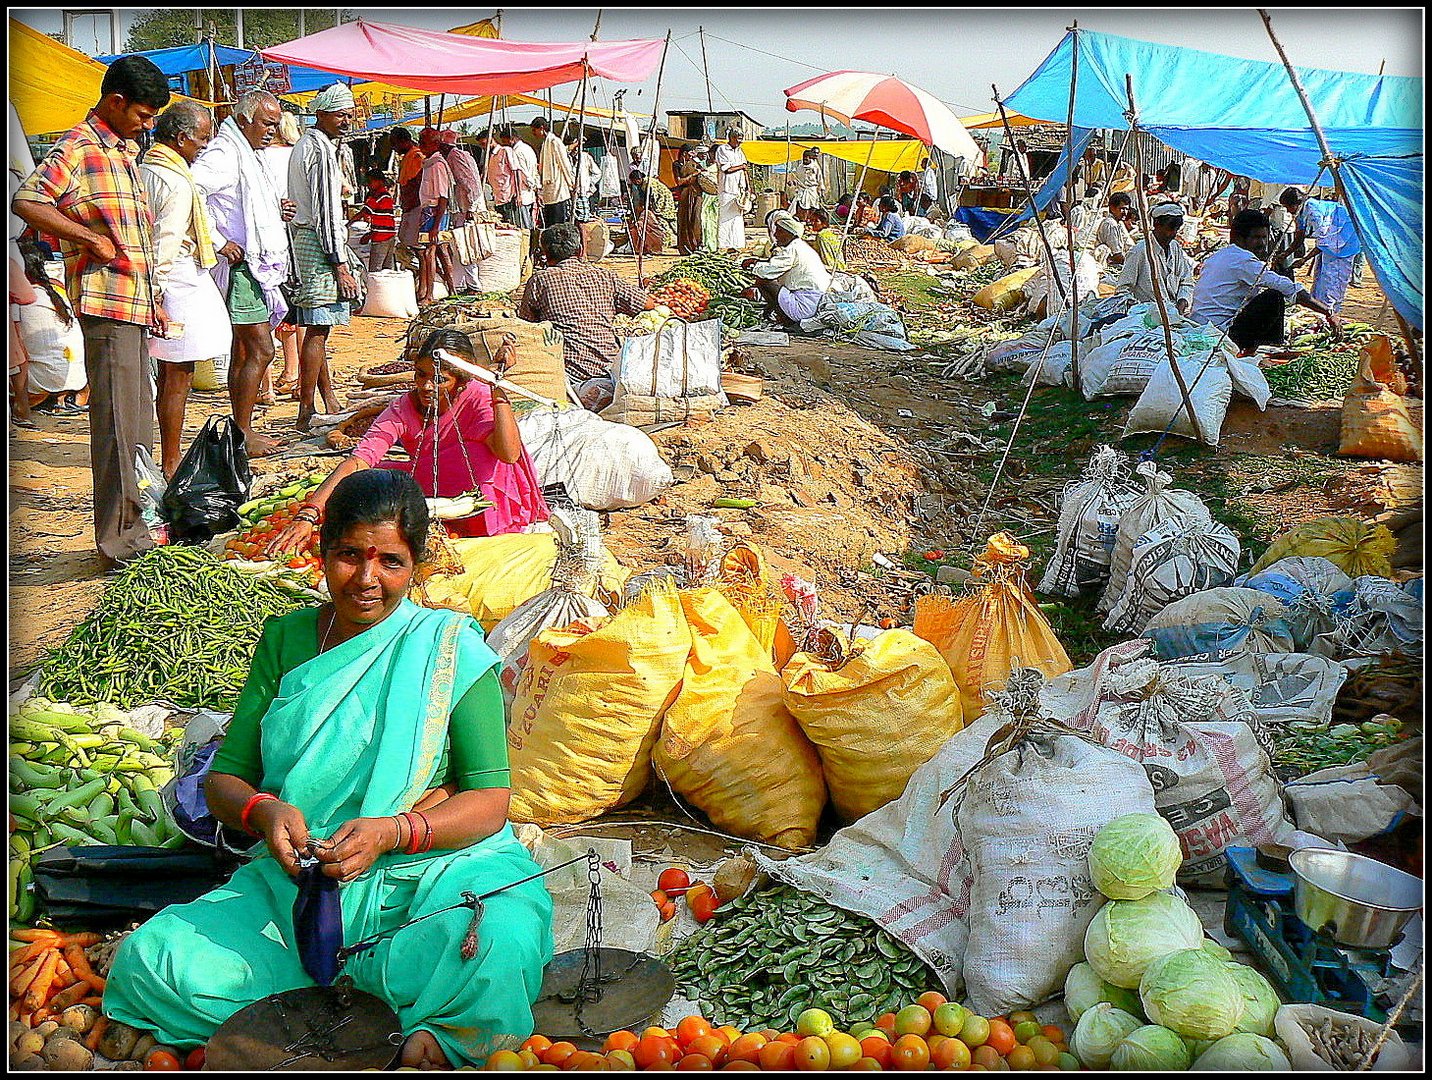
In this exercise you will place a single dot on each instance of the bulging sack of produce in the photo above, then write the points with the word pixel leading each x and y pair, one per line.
pixel 1375 420
pixel 1376 616
pixel 1220 620
pixel 1172 560
pixel 1094 365
pixel 1007 293
pixel 502 271
pixel 588 708
pixel 603 465
pixel 1026 819
pixel 973 257
pixel 576 576
pixel 1306 586
pixel 1090 510
pixel 1052 367
pixel 502 572
pixel 1212 780
pixel 1138 320
pixel 875 714
pixel 727 743
pixel 1130 371
pixel 1017 354
pixel 1161 406
pixel 1282 687
pixel 1355 547
pixel 912 244
pixel 993 628
pixel 1309 1031
pixel 1159 503
pixel 392 294
pixel 748 582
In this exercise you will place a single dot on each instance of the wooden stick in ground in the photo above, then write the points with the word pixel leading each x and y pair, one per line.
pixel 1073 304
pixel 1333 164
pixel 1155 271
pixel 1392 1018
pixel 1028 192
pixel 850 217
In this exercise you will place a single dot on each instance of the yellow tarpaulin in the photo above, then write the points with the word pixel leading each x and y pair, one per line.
pixel 52 86
pixel 485 28
pixel 889 155
pixel 992 120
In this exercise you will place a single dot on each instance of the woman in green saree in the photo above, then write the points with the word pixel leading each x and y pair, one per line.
pixel 371 733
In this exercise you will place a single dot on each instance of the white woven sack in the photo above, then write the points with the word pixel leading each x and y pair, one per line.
pixel 392 294
pixel 1306 585
pixel 1131 325
pixel 1160 503
pixel 1195 623
pixel 1282 687
pixel 1161 407
pixel 605 466
pixel 1170 561
pixel 1054 371
pixel 1090 509
pixel 502 270
pixel 1131 370
pixel 1212 780
pixel 1381 617
pixel 680 360
pixel 1017 354
pixel 1094 365
pixel 1026 822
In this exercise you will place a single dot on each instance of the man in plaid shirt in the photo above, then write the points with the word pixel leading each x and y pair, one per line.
pixel 88 193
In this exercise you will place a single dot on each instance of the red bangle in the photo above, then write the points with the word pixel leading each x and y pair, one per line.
pixel 254 799
pixel 412 848
pixel 427 844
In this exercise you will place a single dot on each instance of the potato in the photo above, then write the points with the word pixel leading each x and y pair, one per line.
pixel 142 1047
pixel 31 1042
pixel 67 1055
pixel 59 1032
pixel 129 1066
pixel 48 1028
pixel 117 1042
pixel 32 1063
pixel 79 1018
pixel 16 1030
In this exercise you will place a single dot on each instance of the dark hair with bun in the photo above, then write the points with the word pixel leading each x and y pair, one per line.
pixel 376 497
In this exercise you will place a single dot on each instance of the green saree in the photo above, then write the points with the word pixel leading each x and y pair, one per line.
pixel 358 732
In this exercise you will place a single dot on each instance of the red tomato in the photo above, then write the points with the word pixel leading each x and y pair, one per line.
pixel 703 903
pixel 195 1060
pixel 673 879
pixel 161 1061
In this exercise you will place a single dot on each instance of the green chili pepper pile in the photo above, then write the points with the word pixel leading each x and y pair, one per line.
pixel 769 955
pixel 1327 367
pixel 177 625
pixel 718 274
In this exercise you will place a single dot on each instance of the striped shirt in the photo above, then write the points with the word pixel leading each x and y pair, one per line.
pixel 379 212
pixel 315 184
pixel 92 177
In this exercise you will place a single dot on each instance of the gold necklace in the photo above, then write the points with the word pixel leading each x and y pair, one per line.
pixel 331 620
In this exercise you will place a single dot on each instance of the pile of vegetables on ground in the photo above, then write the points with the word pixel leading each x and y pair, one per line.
pixel 287 497
pixel 686 299
pixel 1325 366
pixel 1305 746
pixel 177 625
pixel 718 274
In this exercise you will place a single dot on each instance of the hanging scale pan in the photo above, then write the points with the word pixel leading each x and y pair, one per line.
pixel 315 1028
pixel 632 987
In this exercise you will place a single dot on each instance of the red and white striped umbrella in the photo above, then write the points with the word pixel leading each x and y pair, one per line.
pixel 886 101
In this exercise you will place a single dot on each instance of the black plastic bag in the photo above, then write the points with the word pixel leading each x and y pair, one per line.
pixel 210 485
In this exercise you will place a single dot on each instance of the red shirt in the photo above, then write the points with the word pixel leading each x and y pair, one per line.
pixel 380 216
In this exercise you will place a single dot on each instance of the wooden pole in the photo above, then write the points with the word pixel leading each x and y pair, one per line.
pixel 1333 165
pixel 1069 212
pixel 1155 271
pixel 650 134
pixel 705 68
pixel 1028 191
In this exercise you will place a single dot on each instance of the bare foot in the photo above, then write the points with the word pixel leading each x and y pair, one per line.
pixel 332 405
pixel 259 445
pixel 304 421
pixel 422 1051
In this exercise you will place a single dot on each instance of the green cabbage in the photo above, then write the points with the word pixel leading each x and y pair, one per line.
pixel 1099 1030
pixel 1133 856
pixel 1150 1049
pixel 1193 993
pixel 1259 998
pixel 1127 935
pixel 1083 989
pixel 1209 945
pixel 1242 1052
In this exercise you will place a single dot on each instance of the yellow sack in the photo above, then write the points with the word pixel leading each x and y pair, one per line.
pixel 993 628
pixel 1357 548
pixel 875 718
pixel 746 579
pixel 588 707
pixel 727 743
pixel 1005 293
pixel 501 572
pixel 971 257
pixel 1375 420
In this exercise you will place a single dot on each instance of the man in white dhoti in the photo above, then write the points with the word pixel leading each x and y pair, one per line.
pixel 199 326
pixel 733 169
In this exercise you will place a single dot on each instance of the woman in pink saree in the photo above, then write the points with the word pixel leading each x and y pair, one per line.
pixel 461 438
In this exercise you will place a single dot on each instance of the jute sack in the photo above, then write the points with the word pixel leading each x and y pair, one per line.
pixel 875 716
pixel 1375 420
pixel 972 257
pixel 727 742
pixel 1007 292
pixel 993 628
pixel 501 572
pixel 534 361
pixel 588 707
pixel 1158 504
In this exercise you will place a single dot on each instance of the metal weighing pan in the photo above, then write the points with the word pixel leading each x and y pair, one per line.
pixel 1361 902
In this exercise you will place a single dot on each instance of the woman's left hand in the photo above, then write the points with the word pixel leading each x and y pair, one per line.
pixel 356 845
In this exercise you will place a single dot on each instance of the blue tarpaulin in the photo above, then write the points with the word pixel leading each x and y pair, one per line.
pixel 984 222
pixel 1054 183
pixel 182 59
pixel 1245 116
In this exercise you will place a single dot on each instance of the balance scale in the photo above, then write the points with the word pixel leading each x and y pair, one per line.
pixel 1305 966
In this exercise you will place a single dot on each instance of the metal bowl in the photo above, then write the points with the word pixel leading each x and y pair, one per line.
pixel 1359 901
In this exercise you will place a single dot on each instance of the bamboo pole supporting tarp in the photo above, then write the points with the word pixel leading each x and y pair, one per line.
pixel 1333 163
pixel 1073 304
pixel 1156 272
pixel 650 134
pixel 1029 193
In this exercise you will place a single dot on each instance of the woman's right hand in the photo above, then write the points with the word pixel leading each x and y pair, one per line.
pixel 284 831
pixel 295 537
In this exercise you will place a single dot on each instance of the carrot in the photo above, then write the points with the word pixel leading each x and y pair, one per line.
pixel 93 1000
pixel 96 1034
pixel 80 964
pixel 40 986
pixel 26 975
pixel 20 957
pixel 63 975
pixel 83 940
pixel 52 936
pixel 71 995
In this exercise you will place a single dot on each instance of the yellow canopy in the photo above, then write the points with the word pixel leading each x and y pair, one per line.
pixel 485 28
pixel 52 86
pixel 888 155
pixel 991 120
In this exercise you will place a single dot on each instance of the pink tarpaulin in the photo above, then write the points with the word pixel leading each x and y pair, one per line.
pixel 456 64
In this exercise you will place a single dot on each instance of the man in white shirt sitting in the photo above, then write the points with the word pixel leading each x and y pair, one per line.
pixel 1115 231
pixel 1175 268
pixel 1237 292
pixel 793 279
